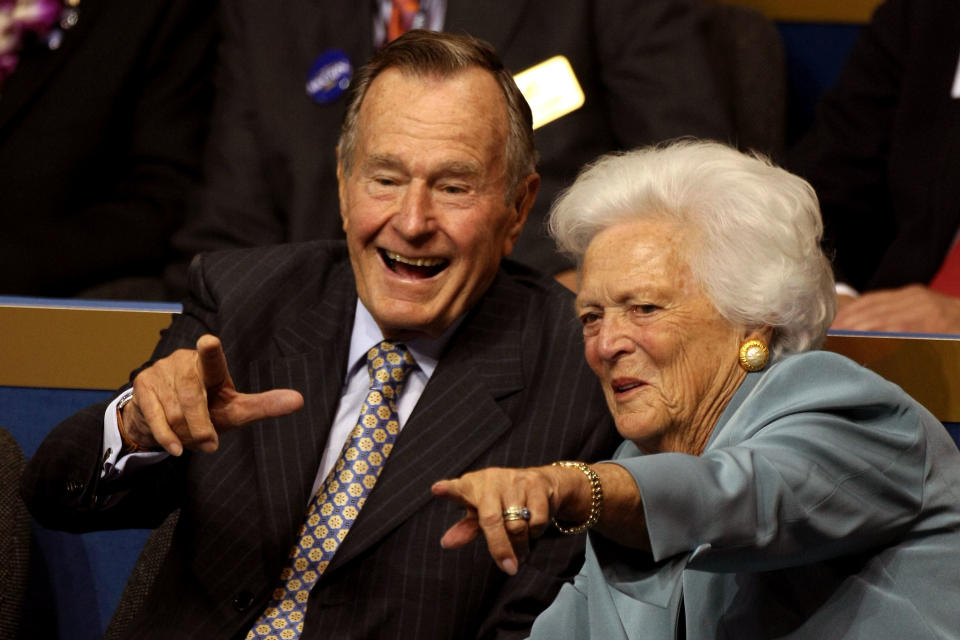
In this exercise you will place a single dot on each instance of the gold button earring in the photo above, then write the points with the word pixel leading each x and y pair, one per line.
pixel 754 355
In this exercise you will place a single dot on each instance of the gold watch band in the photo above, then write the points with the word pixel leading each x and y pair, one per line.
pixel 129 446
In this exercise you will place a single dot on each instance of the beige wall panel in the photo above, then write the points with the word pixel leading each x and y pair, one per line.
pixel 75 348
pixel 926 368
pixel 812 10
pixel 97 349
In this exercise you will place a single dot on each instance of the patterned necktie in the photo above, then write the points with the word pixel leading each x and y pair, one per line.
pixel 401 18
pixel 335 506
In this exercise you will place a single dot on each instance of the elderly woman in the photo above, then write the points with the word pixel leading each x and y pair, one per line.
pixel 765 489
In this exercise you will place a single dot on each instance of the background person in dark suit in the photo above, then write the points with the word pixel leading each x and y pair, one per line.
pixel 270 167
pixel 436 180
pixel 883 156
pixel 101 131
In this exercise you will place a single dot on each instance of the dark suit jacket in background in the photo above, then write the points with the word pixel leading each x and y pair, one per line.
pixel 100 142
pixel 511 389
pixel 884 154
pixel 271 164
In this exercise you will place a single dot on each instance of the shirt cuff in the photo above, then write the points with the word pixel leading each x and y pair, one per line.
pixel 844 289
pixel 113 464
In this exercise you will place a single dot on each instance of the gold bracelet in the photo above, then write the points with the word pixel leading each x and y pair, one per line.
pixel 596 498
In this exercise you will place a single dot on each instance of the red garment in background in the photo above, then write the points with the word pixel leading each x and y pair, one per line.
pixel 401 18
pixel 947 279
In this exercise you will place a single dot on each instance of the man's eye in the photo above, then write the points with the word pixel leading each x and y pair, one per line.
pixel 385 182
pixel 645 309
pixel 453 189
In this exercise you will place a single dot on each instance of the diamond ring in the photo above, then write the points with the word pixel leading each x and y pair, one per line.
pixel 516 513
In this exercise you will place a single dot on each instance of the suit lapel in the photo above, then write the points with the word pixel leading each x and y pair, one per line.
pixel 287 450
pixel 456 420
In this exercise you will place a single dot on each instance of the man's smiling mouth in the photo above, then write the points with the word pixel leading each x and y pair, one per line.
pixel 412 267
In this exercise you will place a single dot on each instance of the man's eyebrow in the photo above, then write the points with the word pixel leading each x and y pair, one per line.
pixel 455 168
pixel 382 161
pixel 464 169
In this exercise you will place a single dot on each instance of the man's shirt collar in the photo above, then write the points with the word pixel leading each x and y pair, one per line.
pixel 366 333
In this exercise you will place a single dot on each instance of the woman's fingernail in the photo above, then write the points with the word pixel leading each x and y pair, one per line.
pixel 510 566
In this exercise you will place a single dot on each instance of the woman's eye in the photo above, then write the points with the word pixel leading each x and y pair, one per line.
pixel 645 309
pixel 589 318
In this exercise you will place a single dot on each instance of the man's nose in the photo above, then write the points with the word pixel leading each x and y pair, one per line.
pixel 415 217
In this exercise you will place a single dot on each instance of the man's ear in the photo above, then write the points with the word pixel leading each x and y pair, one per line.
pixel 523 199
pixel 342 191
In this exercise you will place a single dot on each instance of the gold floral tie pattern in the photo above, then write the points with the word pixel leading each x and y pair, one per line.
pixel 336 505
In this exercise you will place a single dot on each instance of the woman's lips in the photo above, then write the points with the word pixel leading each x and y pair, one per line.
pixel 622 386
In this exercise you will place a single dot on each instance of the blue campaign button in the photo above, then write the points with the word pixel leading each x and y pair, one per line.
pixel 329 76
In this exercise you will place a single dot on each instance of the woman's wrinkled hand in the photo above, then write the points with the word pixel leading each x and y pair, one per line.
pixel 486 495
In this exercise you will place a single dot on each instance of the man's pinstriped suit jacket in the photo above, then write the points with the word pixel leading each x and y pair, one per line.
pixel 511 389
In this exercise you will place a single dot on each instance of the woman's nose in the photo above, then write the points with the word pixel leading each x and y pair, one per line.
pixel 613 338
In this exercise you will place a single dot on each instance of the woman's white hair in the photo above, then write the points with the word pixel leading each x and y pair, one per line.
pixel 755 230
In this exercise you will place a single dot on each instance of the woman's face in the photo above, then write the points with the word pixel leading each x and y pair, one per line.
pixel 666 358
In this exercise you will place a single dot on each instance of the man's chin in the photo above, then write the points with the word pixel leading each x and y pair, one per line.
pixel 404 320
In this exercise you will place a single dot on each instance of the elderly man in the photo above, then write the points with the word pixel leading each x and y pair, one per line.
pixel 452 359
pixel 640 63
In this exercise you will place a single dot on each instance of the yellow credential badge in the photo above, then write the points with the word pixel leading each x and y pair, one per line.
pixel 551 89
